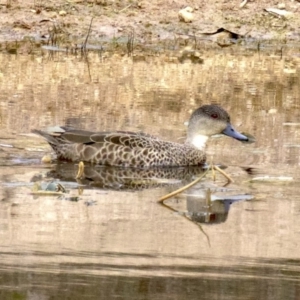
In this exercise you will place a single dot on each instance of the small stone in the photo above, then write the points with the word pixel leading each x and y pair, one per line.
pixel 51 14
pixel 186 14
pixel 272 111
pixel 281 5
pixel 46 159
pixel 62 13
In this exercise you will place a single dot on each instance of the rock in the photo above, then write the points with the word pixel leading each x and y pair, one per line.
pixel 46 159
pixel 279 12
pixel 190 54
pixel 62 13
pixel 281 6
pixel 186 14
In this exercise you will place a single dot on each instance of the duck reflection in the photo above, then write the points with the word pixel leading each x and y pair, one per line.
pixel 118 178
pixel 201 205
pixel 210 208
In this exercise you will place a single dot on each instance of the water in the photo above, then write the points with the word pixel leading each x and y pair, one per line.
pixel 115 243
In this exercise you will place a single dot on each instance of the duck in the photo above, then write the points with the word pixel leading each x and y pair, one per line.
pixel 141 150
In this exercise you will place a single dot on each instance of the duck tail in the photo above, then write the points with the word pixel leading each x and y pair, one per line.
pixel 50 137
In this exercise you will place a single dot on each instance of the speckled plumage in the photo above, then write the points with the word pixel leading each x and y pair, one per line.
pixel 129 149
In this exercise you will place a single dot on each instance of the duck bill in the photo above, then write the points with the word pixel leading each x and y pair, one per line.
pixel 230 131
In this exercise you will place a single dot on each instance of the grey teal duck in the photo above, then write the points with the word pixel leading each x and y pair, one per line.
pixel 131 149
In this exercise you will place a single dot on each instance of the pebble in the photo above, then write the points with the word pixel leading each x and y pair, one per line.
pixel 62 13
pixel 46 159
pixel 186 14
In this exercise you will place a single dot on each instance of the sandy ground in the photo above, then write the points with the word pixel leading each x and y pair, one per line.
pixel 65 23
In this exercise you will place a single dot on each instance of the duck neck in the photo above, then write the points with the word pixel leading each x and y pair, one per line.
pixel 197 141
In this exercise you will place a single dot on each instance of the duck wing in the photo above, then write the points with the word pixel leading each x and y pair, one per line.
pixel 121 148
pixel 66 135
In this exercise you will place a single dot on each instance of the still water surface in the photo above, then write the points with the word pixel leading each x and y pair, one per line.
pixel 116 243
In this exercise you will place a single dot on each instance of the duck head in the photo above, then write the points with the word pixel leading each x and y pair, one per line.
pixel 209 120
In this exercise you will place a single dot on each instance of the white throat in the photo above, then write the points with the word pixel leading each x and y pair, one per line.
pixel 199 141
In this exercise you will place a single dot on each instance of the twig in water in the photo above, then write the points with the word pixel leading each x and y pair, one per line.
pixel 88 34
pixel 162 199
pixel 130 43
pixel 80 170
pixel 230 180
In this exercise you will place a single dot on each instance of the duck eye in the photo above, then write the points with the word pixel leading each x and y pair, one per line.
pixel 214 116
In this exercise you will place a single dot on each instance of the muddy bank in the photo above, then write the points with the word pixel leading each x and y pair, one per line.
pixel 155 25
